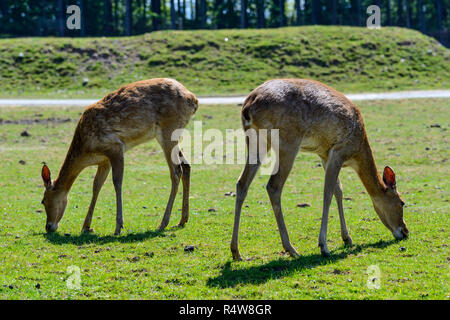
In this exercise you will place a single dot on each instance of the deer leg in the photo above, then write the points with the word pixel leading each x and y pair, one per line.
pixel 242 186
pixel 274 188
pixel 338 195
pixel 116 159
pixel 332 168
pixel 169 148
pixel 185 177
pixel 99 180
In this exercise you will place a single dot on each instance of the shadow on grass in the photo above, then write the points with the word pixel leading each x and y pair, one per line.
pixel 282 267
pixel 84 238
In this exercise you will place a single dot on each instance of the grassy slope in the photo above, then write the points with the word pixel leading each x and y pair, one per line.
pixel 351 59
pixel 123 267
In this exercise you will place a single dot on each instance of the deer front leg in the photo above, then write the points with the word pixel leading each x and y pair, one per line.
pixel 100 177
pixel 185 177
pixel 170 149
pixel 339 196
pixel 116 159
pixel 332 168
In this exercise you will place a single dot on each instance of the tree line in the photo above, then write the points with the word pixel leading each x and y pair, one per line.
pixel 130 17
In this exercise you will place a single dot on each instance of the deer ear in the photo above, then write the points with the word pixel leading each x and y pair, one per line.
pixel 46 176
pixel 389 177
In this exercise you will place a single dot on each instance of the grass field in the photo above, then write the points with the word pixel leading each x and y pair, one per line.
pixel 224 62
pixel 409 135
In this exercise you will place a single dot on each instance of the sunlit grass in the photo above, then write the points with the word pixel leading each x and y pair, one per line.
pixel 145 264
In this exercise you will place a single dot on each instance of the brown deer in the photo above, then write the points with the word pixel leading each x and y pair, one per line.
pixel 129 116
pixel 313 117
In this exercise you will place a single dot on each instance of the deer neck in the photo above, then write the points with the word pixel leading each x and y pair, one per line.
pixel 368 173
pixel 71 167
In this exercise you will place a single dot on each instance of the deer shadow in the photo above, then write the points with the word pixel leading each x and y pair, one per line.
pixel 281 267
pixel 85 238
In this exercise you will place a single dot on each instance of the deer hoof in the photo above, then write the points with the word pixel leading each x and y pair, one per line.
pixel 117 232
pixel 325 254
pixel 236 255
pixel 348 241
pixel 87 230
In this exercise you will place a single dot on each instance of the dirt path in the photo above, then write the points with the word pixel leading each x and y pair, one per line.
pixel 233 100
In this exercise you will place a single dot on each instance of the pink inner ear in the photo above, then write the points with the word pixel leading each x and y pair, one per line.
pixel 46 174
pixel 389 176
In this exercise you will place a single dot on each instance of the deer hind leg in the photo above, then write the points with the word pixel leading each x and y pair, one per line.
pixel 338 195
pixel 102 173
pixel 116 158
pixel 286 157
pixel 170 148
pixel 251 167
pixel 332 168
pixel 185 177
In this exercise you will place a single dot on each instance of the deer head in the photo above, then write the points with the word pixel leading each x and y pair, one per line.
pixel 389 206
pixel 54 201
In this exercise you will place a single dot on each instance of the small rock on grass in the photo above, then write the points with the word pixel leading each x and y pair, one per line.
pixel 133 259
pixel 38 286
pixel 212 210
pixel 402 248
pixel 189 249
pixel 67 234
pixel 230 194
pixel 22 162
pixel 25 133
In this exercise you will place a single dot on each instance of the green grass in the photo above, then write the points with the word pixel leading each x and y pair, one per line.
pixel 350 59
pixel 145 264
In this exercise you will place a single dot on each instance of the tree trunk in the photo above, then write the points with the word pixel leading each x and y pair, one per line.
pixel 42 19
pixel 438 4
pixel 203 14
pixel 281 4
pixel 107 17
pixel 128 22
pixel 358 12
pixel 156 9
pixel 400 12
pixel 61 18
pixel 334 12
pixel 408 14
pixel 173 23
pixel 116 17
pixel 388 12
pixel 298 13
pixel 183 15
pixel 314 11
pixel 243 14
pixel 260 13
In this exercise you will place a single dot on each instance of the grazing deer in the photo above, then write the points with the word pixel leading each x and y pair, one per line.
pixel 108 128
pixel 313 117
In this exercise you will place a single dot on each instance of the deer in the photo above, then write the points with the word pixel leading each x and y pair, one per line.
pixel 123 119
pixel 313 117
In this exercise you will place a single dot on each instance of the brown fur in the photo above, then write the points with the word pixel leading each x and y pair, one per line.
pixel 314 117
pixel 131 115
